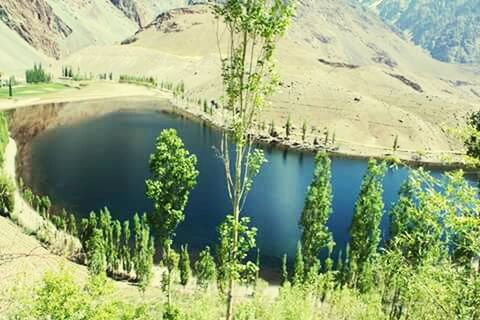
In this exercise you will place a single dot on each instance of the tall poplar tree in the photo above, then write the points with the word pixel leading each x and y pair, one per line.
pixel 174 176
pixel 317 210
pixel 184 265
pixel 126 250
pixel 299 267
pixel 253 29
pixel 205 268
pixel 365 229
pixel 144 251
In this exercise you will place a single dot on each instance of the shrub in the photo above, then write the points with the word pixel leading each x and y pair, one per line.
pixel 7 195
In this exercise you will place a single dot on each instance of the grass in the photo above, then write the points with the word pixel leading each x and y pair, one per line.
pixel 31 90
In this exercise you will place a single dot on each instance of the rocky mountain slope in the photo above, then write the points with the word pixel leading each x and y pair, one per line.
pixel 59 27
pixel 342 68
pixel 449 30
pixel 143 12
pixel 36 23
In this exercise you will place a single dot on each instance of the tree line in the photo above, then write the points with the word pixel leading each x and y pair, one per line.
pixel 37 75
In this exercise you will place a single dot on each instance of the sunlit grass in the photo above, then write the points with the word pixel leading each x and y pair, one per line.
pixel 31 90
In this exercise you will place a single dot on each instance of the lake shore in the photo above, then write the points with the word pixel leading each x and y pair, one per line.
pixel 103 91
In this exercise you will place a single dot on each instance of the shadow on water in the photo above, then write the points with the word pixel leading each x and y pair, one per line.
pixel 104 162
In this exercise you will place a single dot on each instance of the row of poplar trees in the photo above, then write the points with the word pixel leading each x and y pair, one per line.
pixel 110 247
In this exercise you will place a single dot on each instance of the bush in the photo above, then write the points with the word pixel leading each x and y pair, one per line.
pixel 7 196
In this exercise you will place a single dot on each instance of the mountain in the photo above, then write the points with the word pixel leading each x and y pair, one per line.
pixel 143 12
pixel 341 67
pixel 449 30
pixel 58 27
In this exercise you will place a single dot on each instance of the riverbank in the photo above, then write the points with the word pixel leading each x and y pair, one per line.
pixel 104 91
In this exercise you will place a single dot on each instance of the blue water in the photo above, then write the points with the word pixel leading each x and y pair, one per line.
pixel 104 162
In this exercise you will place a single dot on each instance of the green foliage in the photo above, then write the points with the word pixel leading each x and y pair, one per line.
pixel 272 129
pixel 7 195
pixel 184 266
pixel 141 80
pixel 58 296
pixel 304 131
pixel 299 267
pixel 232 262
pixel 126 256
pixel 108 243
pixel 143 251
pixel 4 136
pixel 170 260
pixel 96 252
pixel 365 228
pixel 205 268
pixel 37 75
pixel 174 175
pixel 10 88
pixel 249 78
pixel 317 210
pixel 284 270
pixel 288 126
pixel 472 141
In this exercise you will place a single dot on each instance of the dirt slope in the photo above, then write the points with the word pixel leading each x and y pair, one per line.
pixel 342 70
pixel 16 54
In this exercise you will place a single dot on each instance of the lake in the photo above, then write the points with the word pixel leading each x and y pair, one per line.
pixel 103 162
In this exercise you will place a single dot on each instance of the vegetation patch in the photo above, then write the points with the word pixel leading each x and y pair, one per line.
pixel 338 64
pixel 31 90
pixel 415 86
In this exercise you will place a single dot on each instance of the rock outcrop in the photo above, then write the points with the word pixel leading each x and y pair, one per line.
pixel 36 23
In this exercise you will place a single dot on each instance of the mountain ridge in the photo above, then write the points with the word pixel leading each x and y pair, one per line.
pixel 449 30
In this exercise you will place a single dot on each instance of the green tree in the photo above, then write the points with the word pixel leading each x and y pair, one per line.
pixel 170 260
pixel 96 252
pixel 126 250
pixel 10 88
pixel 205 106
pixel 116 245
pixel 272 129
pixel 72 225
pixel 106 227
pixel 87 228
pixel 174 175
pixel 234 266
pixel 205 268
pixel 304 130
pixel 284 270
pixel 184 266
pixel 7 195
pixel 299 267
pixel 253 29
pixel 143 252
pixel 365 228
pixel 316 212
pixel 288 126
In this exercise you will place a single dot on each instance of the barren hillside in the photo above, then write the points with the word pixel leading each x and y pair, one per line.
pixel 341 67
pixel 60 27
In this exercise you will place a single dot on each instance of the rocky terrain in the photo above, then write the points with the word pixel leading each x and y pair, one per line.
pixel 36 23
pixel 449 30
pixel 143 12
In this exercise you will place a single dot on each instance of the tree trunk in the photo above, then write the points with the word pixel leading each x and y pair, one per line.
pixel 236 218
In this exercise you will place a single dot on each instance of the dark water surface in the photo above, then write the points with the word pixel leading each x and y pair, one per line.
pixel 104 162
